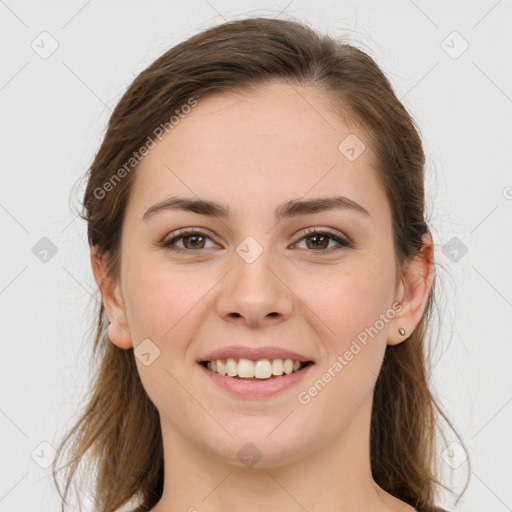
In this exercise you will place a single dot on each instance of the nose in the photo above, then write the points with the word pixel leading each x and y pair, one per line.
pixel 255 293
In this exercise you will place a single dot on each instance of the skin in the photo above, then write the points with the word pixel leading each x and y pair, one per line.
pixel 253 153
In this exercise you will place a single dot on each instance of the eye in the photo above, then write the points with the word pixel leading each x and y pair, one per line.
pixel 195 239
pixel 192 239
pixel 321 239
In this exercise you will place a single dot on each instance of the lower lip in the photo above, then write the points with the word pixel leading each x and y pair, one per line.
pixel 256 388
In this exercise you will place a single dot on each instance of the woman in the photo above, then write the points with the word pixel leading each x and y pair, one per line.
pixel 256 222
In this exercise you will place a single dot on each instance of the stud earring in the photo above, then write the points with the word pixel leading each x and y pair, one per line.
pixel 401 330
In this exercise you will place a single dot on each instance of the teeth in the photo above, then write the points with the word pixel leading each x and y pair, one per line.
pixel 221 368
pixel 247 369
pixel 231 367
pixel 277 367
pixel 262 369
pixel 288 366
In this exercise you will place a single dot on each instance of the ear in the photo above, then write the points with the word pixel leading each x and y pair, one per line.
pixel 412 292
pixel 118 331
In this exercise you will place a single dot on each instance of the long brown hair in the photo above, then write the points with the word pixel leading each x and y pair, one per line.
pixel 118 438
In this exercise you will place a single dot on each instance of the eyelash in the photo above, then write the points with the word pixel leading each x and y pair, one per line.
pixel 343 242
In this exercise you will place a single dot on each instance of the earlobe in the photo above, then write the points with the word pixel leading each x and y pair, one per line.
pixel 399 327
pixel 412 293
pixel 117 330
pixel 119 335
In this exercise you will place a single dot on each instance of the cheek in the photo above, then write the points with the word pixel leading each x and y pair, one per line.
pixel 164 301
pixel 153 305
pixel 356 306
pixel 353 309
pixel 349 300
pixel 164 306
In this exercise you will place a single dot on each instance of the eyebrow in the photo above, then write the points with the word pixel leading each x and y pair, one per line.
pixel 292 208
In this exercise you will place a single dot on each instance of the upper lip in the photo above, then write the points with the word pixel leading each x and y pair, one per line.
pixel 254 353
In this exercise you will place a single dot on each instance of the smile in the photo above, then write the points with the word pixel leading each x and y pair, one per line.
pixel 249 379
pixel 260 369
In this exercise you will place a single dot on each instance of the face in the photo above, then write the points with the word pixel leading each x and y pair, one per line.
pixel 251 279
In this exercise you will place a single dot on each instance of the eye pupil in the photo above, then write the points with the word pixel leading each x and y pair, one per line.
pixel 192 237
pixel 316 236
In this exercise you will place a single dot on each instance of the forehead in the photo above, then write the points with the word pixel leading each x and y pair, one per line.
pixel 294 121
pixel 272 144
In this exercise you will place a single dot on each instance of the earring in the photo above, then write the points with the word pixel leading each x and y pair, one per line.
pixel 401 330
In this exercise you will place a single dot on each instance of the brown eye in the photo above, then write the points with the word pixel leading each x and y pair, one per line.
pixel 319 241
pixel 316 241
pixel 192 241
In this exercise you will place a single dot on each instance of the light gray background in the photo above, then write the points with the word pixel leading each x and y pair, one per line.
pixel 54 111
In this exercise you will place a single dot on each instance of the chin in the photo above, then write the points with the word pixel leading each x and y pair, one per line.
pixel 255 448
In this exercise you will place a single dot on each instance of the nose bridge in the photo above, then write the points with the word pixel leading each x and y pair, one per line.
pixel 252 267
pixel 254 289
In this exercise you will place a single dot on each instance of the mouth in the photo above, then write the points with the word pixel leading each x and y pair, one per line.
pixel 255 370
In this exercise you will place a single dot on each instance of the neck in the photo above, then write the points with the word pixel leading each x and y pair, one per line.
pixel 334 476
